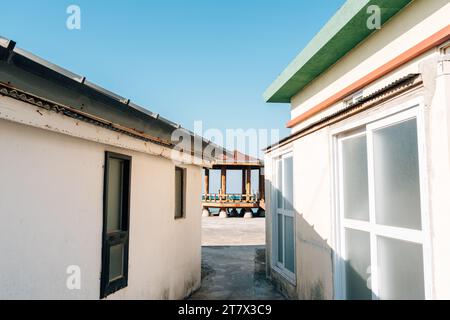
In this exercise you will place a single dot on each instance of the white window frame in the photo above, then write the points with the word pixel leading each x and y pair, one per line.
pixel 413 109
pixel 276 265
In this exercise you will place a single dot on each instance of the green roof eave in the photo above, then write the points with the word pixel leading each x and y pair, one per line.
pixel 343 32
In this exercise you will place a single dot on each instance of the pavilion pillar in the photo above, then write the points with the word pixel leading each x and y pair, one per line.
pixel 223 180
pixel 248 214
pixel 243 193
pixel 243 182
pixel 261 184
pixel 261 188
pixel 223 191
pixel 223 213
pixel 248 184
pixel 205 211
pixel 206 181
pixel 248 190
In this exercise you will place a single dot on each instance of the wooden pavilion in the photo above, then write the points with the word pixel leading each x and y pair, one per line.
pixel 229 203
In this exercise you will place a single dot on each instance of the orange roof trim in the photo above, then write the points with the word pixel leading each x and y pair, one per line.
pixel 433 41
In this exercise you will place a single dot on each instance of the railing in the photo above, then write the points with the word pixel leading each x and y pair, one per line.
pixel 230 198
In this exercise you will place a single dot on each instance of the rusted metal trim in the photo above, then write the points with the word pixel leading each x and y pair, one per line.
pixel 17 94
pixel 397 88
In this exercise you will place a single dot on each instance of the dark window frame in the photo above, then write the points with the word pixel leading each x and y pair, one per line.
pixel 117 237
pixel 183 194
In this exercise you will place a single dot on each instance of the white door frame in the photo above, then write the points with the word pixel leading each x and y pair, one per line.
pixel 411 109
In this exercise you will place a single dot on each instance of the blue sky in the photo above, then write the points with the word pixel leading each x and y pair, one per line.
pixel 207 60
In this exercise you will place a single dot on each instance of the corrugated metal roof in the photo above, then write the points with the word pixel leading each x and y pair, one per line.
pixel 406 80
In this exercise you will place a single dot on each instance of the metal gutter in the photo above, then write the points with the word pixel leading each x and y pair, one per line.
pixel 8 91
pixel 4 42
pixel 49 65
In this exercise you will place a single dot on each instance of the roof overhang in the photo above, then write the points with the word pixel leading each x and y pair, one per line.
pixel 38 78
pixel 390 91
pixel 343 32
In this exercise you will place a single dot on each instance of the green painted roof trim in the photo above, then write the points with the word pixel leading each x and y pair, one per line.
pixel 343 32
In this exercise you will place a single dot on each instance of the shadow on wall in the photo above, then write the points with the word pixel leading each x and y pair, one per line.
pixel 316 263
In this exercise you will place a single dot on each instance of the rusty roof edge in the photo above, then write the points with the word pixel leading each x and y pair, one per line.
pixel 398 82
pixel 18 94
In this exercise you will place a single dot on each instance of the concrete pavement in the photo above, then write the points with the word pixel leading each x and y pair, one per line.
pixel 233 261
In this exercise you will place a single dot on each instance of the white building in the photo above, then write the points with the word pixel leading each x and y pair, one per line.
pixel 92 204
pixel 357 196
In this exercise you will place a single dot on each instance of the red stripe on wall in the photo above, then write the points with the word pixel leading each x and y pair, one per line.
pixel 433 41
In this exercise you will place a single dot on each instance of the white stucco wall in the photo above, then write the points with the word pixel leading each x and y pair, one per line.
pixel 313 154
pixel 313 188
pixel 312 194
pixel 51 199
pixel 438 159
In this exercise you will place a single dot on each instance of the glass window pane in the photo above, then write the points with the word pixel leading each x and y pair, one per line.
pixel 288 194
pixel 179 192
pixel 355 178
pixel 357 265
pixel 115 262
pixel 279 184
pixel 400 269
pixel 114 194
pixel 280 238
pixel 396 165
pixel 289 243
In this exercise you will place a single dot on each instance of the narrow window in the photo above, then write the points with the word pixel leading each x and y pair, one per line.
pixel 116 218
pixel 285 246
pixel 180 192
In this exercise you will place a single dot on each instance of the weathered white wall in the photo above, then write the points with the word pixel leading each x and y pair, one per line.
pixel 313 189
pixel 51 211
pixel 313 217
pixel 312 193
pixel 438 159
pixel 313 165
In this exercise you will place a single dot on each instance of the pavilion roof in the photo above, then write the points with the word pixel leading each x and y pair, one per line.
pixel 238 159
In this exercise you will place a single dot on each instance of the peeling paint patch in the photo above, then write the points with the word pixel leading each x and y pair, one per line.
pixel 317 291
pixel 165 294
pixel 190 286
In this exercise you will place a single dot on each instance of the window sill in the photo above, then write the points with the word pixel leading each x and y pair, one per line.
pixel 285 274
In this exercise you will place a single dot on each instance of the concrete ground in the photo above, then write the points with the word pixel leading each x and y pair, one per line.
pixel 233 231
pixel 233 261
